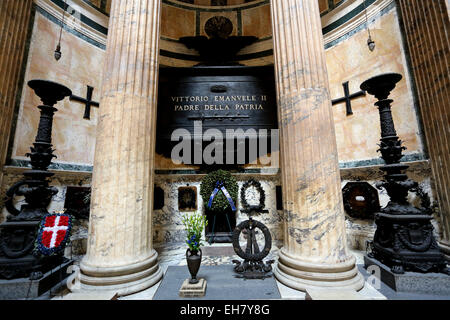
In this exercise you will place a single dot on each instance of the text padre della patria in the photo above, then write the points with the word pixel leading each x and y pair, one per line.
pixel 242 102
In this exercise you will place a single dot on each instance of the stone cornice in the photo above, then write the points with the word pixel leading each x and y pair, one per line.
pixel 20 165
pixel 242 6
pixel 338 24
pixel 350 16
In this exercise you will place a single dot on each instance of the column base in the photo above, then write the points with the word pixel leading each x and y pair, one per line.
pixel 123 280
pixel 304 275
pixel 445 249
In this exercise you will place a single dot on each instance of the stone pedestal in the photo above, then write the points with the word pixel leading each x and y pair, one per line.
pixel 120 255
pixel 315 251
pixel 16 252
pixel 404 237
pixel 24 288
pixel 445 249
pixel 189 290
pixel 327 294
pixel 414 282
pixel 102 295
pixel 221 285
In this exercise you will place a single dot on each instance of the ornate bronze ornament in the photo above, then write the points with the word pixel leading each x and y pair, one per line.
pixel 187 199
pixel 226 46
pixel 253 266
pixel 219 27
pixel 404 238
pixel 249 229
pixel 253 209
pixel 360 200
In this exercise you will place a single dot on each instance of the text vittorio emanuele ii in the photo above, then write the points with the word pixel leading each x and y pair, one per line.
pixel 218 103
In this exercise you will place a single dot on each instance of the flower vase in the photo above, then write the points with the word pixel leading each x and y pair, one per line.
pixel 193 261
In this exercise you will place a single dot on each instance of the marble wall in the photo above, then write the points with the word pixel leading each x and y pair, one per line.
pixel 324 5
pixel 168 226
pixel 217 2
pixel 358 134
pixel 348 59
pixel 167 223
pixel 80 65
pixel 181 20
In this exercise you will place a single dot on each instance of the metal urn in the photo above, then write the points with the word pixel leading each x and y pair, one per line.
pixel 194 260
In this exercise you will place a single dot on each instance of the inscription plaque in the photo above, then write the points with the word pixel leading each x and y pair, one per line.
pixel 221 98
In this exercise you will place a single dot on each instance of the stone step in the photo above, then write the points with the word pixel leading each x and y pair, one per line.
pixel 189 290
pixel 333 294
pixel 89 296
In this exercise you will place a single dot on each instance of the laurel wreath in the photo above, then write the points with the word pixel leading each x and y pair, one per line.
pixel 262 197
pixel 245 226
pixel 208 184
pixel 425 201
pixel 427 240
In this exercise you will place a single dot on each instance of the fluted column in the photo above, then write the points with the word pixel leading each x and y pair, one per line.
pixel 120 254
pixel 14 21
pixel 315 253
pixel 426 26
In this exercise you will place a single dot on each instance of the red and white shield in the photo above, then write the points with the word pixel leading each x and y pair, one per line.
pixel 53 234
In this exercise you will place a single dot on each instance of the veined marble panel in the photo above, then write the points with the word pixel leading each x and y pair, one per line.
pixel 80 18
pixel 167 223
pixel 358 135
pixel 81 64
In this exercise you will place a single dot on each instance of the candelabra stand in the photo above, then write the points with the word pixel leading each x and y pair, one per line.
pixel 404 239
pixel 18 233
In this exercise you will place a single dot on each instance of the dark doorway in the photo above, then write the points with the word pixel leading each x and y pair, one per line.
pixel 220 226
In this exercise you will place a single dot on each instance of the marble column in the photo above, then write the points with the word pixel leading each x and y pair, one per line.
pixel 15 18
pixel 315 253
pixel 120 254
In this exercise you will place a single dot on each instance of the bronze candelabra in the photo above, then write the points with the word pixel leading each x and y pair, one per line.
pixel 404 239
pixel 18 233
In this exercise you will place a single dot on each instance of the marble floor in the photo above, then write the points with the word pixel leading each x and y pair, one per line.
pixel 217 254
pixel 174 255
